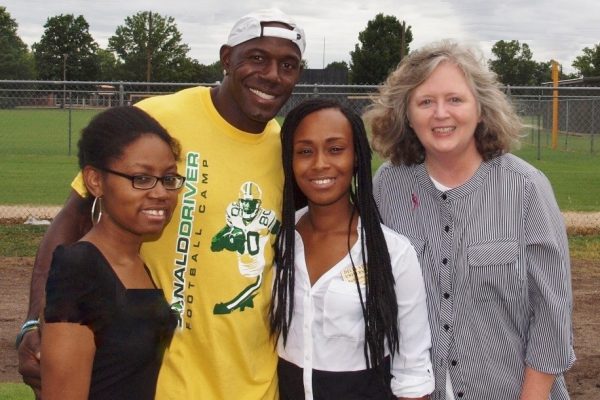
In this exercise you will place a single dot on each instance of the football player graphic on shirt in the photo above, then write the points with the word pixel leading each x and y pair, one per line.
pixel 247 233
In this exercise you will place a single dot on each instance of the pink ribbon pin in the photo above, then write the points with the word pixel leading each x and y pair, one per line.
pixel 415 200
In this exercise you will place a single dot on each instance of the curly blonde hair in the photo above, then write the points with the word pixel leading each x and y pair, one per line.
pixel 392 137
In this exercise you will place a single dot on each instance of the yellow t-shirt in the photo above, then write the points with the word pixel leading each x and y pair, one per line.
pixel 214 258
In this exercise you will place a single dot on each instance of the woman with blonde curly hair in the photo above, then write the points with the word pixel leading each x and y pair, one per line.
pixel 488 232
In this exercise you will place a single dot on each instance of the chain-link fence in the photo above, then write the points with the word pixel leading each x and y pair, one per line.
pixel 78 95
pixel 578 121
pixel 577 116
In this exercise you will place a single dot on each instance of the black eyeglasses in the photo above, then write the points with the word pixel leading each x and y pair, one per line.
pixel 146 182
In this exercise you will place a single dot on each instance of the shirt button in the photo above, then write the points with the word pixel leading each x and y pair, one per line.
pixel 446 295
pixel 446 228
pixel 446 326
pixel 445 261
pixel 444 196
pixel 453 363
pixel 460 394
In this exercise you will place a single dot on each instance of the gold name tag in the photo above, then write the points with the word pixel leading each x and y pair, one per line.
pixel 348 274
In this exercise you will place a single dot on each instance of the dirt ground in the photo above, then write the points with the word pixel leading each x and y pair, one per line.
pixel 583 379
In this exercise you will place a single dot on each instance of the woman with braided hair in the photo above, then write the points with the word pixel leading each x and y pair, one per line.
pixel 348 307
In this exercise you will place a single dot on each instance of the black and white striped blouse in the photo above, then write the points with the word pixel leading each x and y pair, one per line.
pixel 495 260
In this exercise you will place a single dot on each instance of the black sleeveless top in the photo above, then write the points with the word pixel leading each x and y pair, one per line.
pixel 131 326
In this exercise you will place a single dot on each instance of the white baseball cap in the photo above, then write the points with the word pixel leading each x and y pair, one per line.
pixel 250 27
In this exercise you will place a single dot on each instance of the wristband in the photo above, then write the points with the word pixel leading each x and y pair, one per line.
pixel 27 326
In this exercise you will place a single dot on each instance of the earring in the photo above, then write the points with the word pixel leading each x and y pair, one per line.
pixel 97 202
pixel 224 72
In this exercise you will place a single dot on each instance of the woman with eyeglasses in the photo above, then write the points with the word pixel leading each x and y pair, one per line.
pixel 105 322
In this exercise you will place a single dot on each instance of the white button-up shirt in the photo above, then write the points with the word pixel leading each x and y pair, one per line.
pixel 327 328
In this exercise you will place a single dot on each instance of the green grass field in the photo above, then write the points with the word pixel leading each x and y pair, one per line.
pixel 24 240
pixel 575 177
pixel 15 391
pixel 34 154
pixel 573 168
pixel 37 167
pixel 570 142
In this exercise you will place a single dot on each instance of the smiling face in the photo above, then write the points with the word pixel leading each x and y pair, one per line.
pixel 444 114
pixel 261 74
pixel 132 211
pixel 323 157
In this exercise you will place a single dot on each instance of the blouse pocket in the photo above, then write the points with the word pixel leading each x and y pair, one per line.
pixel 494 271
pixel 342 312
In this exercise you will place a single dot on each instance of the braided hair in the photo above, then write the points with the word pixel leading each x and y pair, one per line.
pixel 379 307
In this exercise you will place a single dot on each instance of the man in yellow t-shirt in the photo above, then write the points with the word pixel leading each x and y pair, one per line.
pixel 214 259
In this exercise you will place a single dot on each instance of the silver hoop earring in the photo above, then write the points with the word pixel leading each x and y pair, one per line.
pixel 96 216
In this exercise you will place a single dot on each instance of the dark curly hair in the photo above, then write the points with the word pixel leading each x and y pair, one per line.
pixel 109 132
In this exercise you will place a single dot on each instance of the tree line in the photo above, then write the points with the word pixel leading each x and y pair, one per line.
pixel 148 47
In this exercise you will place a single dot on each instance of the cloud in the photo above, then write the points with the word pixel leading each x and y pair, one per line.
pixel 552 28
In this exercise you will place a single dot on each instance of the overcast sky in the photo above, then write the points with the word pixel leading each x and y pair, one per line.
pixel 554 29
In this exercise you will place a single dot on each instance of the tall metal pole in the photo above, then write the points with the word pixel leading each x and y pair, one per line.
pixel 65 55
pixel 554 104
